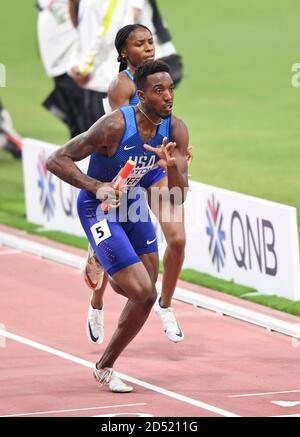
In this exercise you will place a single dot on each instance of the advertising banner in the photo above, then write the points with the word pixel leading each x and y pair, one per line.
pixel 250 241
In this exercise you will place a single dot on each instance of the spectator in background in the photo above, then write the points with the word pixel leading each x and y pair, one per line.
pixel 146 12
pixel 98 23
pixel 10 140
pixel 58 40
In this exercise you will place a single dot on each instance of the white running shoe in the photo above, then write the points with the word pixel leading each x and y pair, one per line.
pixel 167 317
pixel 107 376
pixel 95 325
pixel 93 271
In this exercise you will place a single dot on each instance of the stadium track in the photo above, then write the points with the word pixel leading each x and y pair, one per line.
pixel 224 367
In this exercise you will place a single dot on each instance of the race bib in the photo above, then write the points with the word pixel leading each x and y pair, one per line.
pixel 136 175
pixel 100 231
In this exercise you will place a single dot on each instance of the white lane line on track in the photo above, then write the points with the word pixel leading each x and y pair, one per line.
pixel 91 365
pixel 263 394
pixel 72 410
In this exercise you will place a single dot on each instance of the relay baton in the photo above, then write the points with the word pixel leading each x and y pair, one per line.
pixel 120 179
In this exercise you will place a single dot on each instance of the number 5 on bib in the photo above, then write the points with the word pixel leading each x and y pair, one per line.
pixel 100 231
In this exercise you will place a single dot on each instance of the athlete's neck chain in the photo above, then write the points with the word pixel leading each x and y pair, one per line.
pixel 148 118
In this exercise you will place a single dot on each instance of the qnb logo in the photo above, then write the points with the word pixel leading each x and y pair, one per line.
pixel 46 187
pixel 215 232
pixel 253 239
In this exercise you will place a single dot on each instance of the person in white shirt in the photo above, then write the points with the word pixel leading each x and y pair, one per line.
pixel 146 12
pixel 58 41
pixel 96 63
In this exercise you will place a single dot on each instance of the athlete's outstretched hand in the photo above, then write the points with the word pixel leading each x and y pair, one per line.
pixel 164 152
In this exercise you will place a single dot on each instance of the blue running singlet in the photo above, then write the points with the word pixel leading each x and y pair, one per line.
pixel 134 99
pixel 117 241
pixel 157 173
pixel 131 147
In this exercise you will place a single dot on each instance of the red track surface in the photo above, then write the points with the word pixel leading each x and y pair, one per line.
pixel 221 357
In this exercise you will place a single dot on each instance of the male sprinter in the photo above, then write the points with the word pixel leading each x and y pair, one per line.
pixel 126 249
pixel 134 44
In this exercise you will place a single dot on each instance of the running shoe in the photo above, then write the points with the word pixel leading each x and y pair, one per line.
pixel 170 325
pixel 107 376
pixel 93 271
pixel 93 276
pixel 95 325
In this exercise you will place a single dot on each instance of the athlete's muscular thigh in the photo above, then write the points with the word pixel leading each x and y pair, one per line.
pixel 134 281
pixel 151 263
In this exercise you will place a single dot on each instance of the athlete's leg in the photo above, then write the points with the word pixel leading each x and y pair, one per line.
pixel 171 221
pixel 173 257
pixel 137 282
pixel 120 248
pixel 97 296
pixel 95 278
pixel 173 230
pixel 141 294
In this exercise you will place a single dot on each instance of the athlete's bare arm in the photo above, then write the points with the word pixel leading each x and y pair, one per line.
pixel 173 157
pixel 120 91
pixel 180 135
pixel 103 137
pixel 178 167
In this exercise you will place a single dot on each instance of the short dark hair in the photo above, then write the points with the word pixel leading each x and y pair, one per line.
pixel 145 69
pixel 121 39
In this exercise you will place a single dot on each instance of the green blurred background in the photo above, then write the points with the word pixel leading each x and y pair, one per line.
pixel 236 96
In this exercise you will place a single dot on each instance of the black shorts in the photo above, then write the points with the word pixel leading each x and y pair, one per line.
pixel 93 106
pixel 66 102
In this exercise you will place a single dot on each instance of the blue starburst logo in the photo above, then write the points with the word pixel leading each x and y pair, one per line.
pixel 215 232
pixel 46 187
